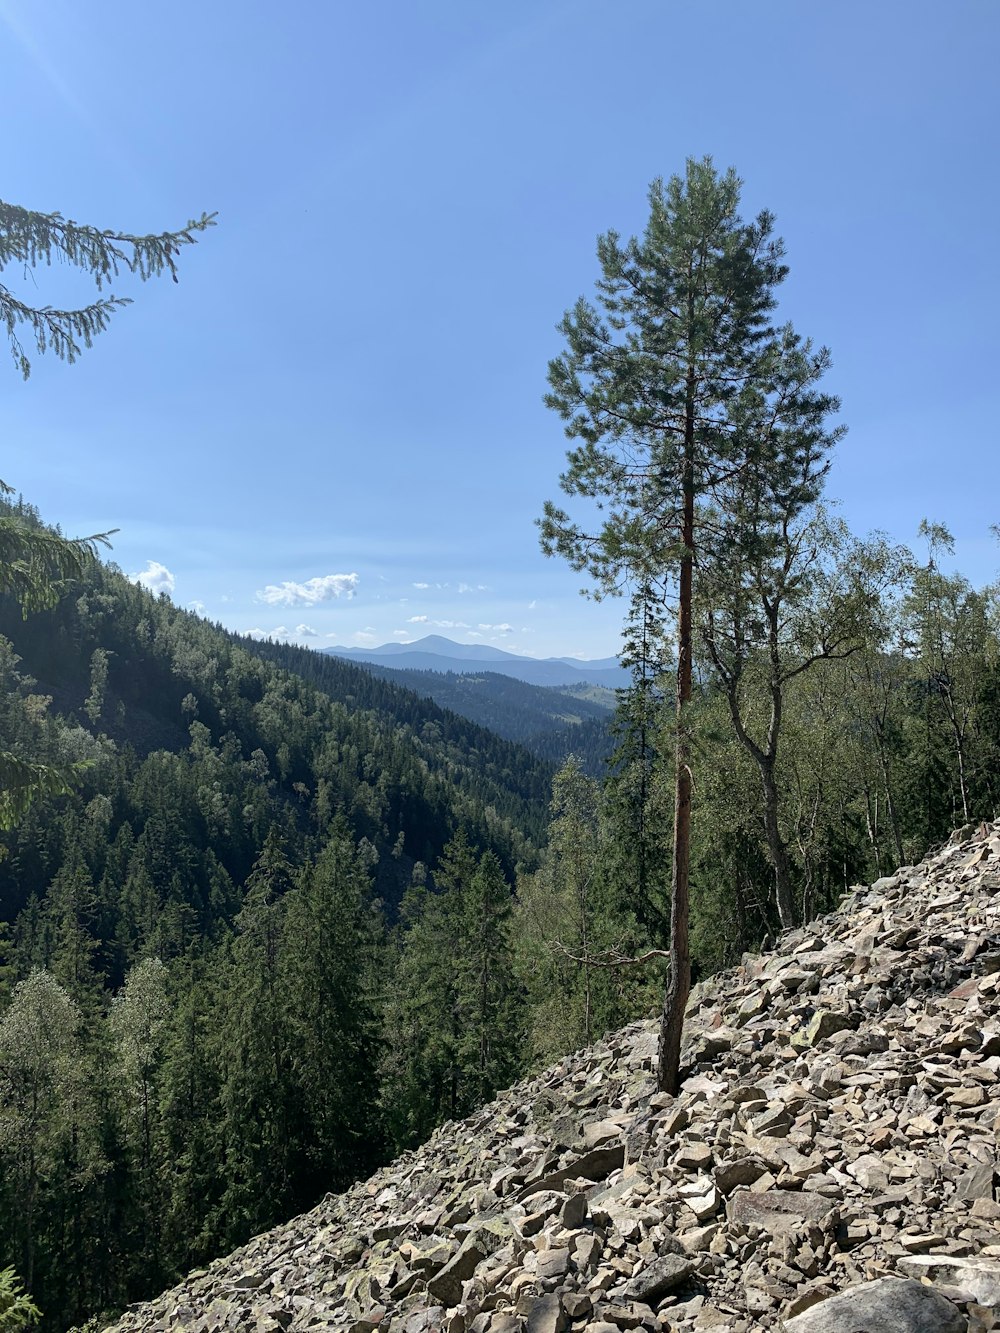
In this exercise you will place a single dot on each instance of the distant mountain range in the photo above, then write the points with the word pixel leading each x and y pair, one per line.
pixel 436 653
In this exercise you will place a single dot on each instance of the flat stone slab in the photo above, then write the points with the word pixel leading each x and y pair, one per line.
pixel 654 1281
pixel 975 1279
pixel 890 1305
pixel 778 1212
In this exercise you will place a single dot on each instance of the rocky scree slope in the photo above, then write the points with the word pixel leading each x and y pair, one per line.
pixel 828 1166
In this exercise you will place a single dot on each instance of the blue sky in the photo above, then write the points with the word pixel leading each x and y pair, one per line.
pixel 334 424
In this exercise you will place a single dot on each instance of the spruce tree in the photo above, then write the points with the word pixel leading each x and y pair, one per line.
pixel 489 998
pixel 328 966
pixel 256 1038
pixel 421 1078
pixel 637 817
pixel 138 1025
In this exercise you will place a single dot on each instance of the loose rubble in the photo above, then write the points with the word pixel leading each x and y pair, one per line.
pixel 830 1163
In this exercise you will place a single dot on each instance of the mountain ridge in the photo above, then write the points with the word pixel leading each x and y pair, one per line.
pixel 434 652
pixel 551 721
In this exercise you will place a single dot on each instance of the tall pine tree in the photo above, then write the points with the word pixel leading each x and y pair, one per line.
pixel 668 383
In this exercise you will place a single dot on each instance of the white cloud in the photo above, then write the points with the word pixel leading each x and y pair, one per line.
pixel 401 634
pixel 197 607
pixel 156 577
pixel 258 633
pixel 306 631
pixel 323 588
pixel 469 587
pixel 421 585
pixel 499 629
pixel 450 624
pixel 532 604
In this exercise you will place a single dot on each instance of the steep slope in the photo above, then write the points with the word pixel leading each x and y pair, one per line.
pixel 125 676
pixel 552 723
pixel 835 1133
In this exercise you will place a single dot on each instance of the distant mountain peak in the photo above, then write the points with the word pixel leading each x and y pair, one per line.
pixel 434 652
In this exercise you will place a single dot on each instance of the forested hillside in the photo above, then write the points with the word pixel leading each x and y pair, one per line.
pixel 199 950
pixel 551 722
pixel 137 676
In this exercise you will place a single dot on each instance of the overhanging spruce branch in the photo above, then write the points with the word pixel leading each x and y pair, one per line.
pixel 32 239
pixel 36 564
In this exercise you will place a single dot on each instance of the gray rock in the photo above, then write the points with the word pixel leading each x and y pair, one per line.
pixel 654 1281
pixel 446 1284
pixel 824 1023
pixel 778 1212
pixel 975 1278
pixel 574 1212
pixel 546 1315
pixel 890 1305
pixel 594 1165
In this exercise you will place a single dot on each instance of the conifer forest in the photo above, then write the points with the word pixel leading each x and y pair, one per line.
pixel 267 918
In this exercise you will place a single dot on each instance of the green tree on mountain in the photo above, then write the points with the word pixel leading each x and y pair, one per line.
pixel 673 384
pixel 256 1038
pixel 35 563
pixel 328 966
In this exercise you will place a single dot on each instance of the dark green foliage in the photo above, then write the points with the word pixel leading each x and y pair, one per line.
pixel 36 566
pixel 256 1094
pixel 640 815
pixel 490 1001
pixel 576 926
pixel 454 1009
pixel 328 968
pixel 552 723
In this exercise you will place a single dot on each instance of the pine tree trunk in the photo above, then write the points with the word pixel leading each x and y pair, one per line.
pixel 679 982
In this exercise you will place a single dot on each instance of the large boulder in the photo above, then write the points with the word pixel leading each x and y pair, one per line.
pixel 889 1305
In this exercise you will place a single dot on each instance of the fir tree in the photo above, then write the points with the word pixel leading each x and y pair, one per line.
pixel 257 1040
pixel 328 965
pixel 489 997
